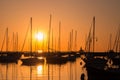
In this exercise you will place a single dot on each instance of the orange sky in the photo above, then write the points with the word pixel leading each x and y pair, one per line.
pixel 73 14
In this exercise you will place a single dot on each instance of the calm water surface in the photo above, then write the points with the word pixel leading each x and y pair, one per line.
pixel 68 71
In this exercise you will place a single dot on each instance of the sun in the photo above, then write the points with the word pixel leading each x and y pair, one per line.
pixel 39 36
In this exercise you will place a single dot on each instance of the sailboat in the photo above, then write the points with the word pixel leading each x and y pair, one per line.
pixel 100 65
pixel 7 56
pixel 55 57
pixel 32 60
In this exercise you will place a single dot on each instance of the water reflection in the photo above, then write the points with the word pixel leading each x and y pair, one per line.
pixel 40 70
pixel 68 71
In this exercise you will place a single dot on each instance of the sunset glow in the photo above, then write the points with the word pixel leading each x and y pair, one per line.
pixel 59 39
pixel 40 51
pixel 73 14
pixel 39 36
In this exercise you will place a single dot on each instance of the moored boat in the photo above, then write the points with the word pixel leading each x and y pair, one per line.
pixel 101 69
pixel 9 57
pixel 32 61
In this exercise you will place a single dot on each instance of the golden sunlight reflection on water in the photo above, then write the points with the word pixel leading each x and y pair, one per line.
pixel 68 71
pixel 39 70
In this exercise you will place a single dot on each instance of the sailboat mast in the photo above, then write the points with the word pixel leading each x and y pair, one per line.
pixel 13 41
pixel 59 36
pixel 75 40
pixel 17 41
pixel 52 42
pixel 31 35
pixel 49 34
pixel 49 43
pixel 7 40
pixel 43 44
pixel 7 52
pixel 110 41
pixel 59 48
pixel 93 33
pixel 72 40
pixel 31 46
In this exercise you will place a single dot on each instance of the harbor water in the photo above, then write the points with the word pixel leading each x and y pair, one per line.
pixel 68 71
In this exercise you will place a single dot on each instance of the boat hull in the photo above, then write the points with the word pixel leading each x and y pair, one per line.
pixel 102 74
pixel 9 57
pixel 32 61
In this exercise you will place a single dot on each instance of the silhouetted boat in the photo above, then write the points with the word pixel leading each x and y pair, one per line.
pixel 9 57
pixel 56 59
pixel 61 58
pixel 31 60
pixel 71 58
pixel 115 58
pixel 99 69
pixel 95 73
